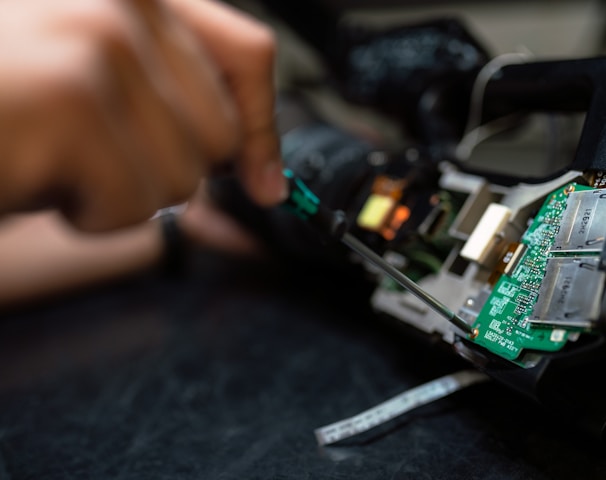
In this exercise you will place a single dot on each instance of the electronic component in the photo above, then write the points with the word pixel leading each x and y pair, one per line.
pixel 486 236
pixel 375 212
pixel 508 261
pixel 583 224
pixel 597 178
pixel 570 294
pixel 504 323
pixel 381 212
pixel 333 225
pixel 512 257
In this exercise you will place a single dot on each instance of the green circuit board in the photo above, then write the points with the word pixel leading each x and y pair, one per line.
pixel 502 324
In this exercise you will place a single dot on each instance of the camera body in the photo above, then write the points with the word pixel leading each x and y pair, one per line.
pixel 522 260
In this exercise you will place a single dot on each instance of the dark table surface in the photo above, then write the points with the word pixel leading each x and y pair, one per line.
pixel 225 373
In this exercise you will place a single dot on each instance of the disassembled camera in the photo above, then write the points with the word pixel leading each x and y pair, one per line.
pixel 522 261
pixel 524 264
pixel 529 275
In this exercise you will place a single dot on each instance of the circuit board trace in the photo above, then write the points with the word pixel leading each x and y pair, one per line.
pixel 503 323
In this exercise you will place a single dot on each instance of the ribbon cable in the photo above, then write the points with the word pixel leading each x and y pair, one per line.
pixel 398 405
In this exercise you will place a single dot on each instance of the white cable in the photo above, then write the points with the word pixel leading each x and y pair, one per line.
pixel 398 405
pixel 476 136
pixel 474 133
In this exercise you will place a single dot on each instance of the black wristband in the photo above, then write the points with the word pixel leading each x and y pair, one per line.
pixel 175 246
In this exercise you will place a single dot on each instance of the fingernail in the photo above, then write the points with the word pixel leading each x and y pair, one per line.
pixel 274 182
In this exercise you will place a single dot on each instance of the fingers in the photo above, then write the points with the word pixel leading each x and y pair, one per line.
pixel 77 162
pixel 122 109
pixel 143 148
pixel 146 122
pixel 172 103
pixel 182 70
pixel 114 188
pixel 206 225
pixel 244 51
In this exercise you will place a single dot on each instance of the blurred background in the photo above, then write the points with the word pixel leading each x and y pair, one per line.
pixel 540 29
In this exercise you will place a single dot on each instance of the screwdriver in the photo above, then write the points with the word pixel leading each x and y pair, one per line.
pixel 333 224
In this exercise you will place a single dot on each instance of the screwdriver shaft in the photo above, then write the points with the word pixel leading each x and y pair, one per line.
pixel 358 247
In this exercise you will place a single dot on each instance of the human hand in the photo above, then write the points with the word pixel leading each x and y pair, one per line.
pixel 206 225
pixel 113 109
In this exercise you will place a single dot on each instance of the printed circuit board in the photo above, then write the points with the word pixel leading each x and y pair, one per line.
pixel 550 286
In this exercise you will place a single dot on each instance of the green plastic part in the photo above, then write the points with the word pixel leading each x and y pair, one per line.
pixel 502 323
pixel 302 201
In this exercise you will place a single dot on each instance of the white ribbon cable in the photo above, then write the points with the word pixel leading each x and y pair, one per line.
pixel 398 405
